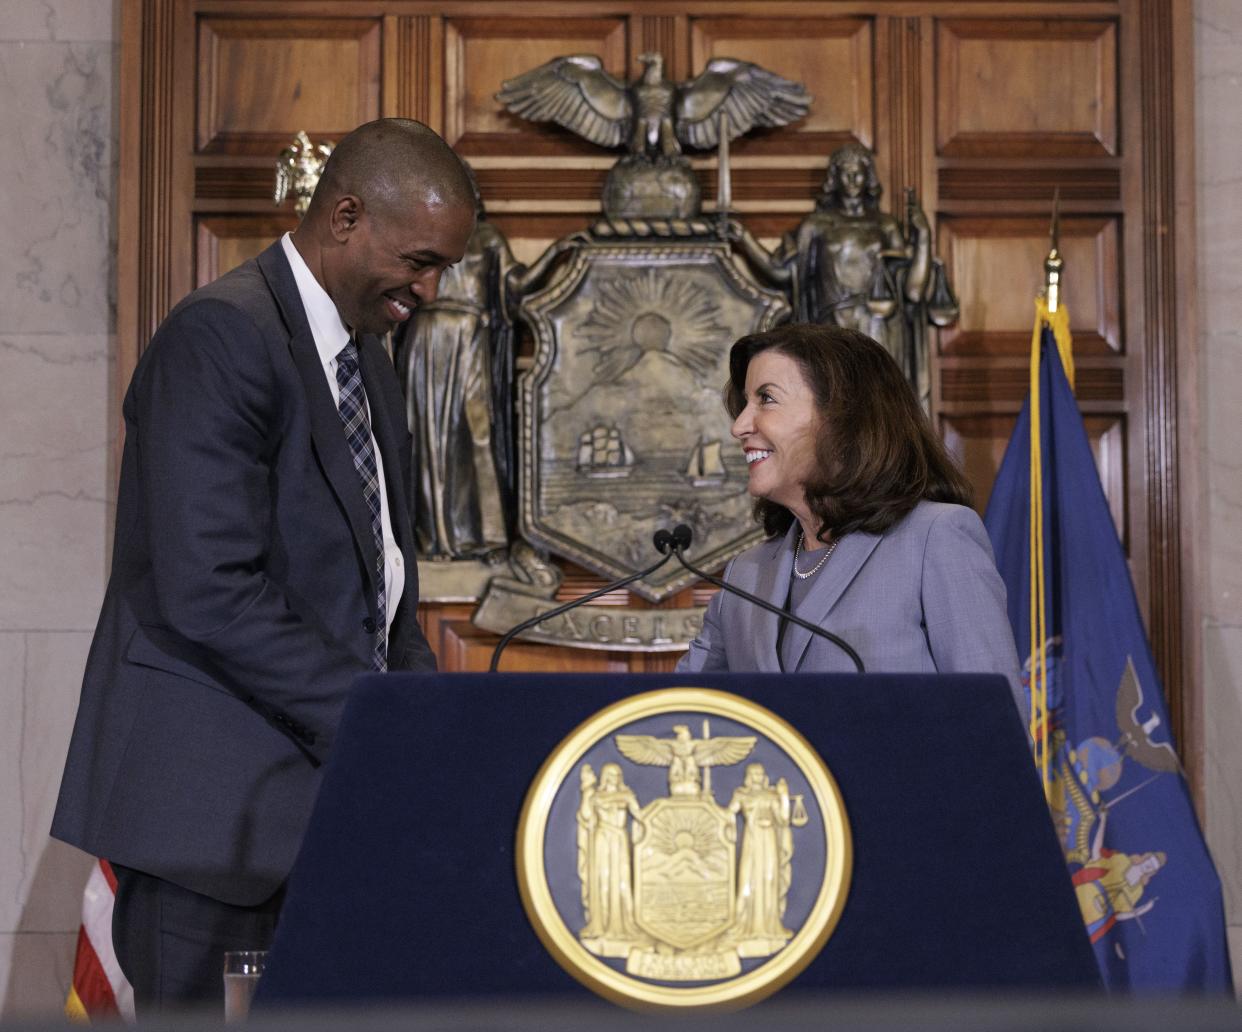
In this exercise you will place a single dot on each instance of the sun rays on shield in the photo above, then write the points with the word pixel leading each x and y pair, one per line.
pixel 641 313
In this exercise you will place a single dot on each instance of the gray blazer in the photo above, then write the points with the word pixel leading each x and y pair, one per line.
pixel 923 597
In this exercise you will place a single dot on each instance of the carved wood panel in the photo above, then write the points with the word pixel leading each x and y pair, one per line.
pixel 263 79
pixel 984 115
pixel 414 69
pixel 996 267
pixel 1010 87
pixel 481 53
pixel 833 57
pixel 223 242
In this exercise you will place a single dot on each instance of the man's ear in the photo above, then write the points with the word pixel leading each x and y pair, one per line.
pixel 345 217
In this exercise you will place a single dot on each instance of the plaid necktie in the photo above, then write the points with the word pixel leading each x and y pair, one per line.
pixel 353 410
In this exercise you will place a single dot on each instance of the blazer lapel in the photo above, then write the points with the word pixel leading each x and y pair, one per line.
pixel 327 433
pixel 830 584
pixel 772 584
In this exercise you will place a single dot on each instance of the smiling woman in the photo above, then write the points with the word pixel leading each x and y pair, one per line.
pixel 778 427
pixel 870 534
pixel 860 452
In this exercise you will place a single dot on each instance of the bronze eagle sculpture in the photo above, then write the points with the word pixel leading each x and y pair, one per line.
pixel 654 117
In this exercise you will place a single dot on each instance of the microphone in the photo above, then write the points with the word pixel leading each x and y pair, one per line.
pixel 663 542
pixel 680 540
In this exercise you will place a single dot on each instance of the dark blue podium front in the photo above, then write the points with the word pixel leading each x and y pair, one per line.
pixel 405 887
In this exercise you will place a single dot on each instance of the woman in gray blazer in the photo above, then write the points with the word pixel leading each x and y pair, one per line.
pixel 870 531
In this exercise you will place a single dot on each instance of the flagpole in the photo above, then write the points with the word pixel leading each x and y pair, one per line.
pixel 1048 311
pixel 1054 263
pixel 1056 315
pixel 1089 668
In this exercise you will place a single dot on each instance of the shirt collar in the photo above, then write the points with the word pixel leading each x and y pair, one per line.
pixel 329 330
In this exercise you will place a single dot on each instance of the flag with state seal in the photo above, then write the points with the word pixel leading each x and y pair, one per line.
pixel 1148 891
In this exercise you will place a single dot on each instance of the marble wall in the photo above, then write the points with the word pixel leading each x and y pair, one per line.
pixel 1218 158
pixel 57 174
pixel 57 179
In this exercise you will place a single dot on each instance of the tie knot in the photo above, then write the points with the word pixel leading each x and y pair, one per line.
pixel 347 357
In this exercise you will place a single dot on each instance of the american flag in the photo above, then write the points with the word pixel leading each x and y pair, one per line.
pixel 99 991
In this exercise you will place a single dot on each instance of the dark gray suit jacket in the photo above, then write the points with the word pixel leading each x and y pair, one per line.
pixel 923 597
pixel 242 597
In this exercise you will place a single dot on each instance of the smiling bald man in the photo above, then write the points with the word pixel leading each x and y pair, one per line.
pixel 263 559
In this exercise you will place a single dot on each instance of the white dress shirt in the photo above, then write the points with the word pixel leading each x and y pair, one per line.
pixel 331 335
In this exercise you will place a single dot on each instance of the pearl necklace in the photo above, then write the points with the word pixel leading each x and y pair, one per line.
pixel 822 559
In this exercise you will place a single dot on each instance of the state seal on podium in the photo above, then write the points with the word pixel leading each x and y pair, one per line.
pixel 684 848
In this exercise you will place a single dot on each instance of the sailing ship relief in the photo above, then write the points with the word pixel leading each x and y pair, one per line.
pixel 706 466
pixel 603 453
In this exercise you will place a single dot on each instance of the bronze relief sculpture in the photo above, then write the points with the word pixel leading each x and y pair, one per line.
pixel 619 424
pixel 455 360
pixel 453 357
pixel 620 418
pixel 852 264
pixel 654 118
pixel 616 427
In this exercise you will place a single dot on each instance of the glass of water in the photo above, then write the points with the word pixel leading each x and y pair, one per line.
pixel 242 970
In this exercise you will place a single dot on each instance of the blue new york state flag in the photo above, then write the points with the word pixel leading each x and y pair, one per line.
pixel 1148 891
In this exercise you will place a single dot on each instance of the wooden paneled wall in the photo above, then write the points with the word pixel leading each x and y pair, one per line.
pixel 983 107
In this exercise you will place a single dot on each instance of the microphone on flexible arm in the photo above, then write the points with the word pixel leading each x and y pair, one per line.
pixel 663 541
pixel 681 538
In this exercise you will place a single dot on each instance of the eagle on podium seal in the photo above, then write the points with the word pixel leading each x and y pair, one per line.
pixel 684 848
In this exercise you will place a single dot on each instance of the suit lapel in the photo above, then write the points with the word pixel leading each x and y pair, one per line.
pixel 830 584
pixel 327 434
pixel 372 359
pixel 772 584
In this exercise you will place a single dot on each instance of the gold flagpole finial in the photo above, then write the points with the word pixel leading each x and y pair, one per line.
pixel 1054 263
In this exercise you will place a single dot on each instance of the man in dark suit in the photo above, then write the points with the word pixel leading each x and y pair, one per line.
pixel 263 559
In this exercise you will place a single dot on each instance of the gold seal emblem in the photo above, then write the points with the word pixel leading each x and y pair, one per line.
pixel 684 848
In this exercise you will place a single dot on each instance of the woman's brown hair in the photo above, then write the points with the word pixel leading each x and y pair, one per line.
pixel 877 456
